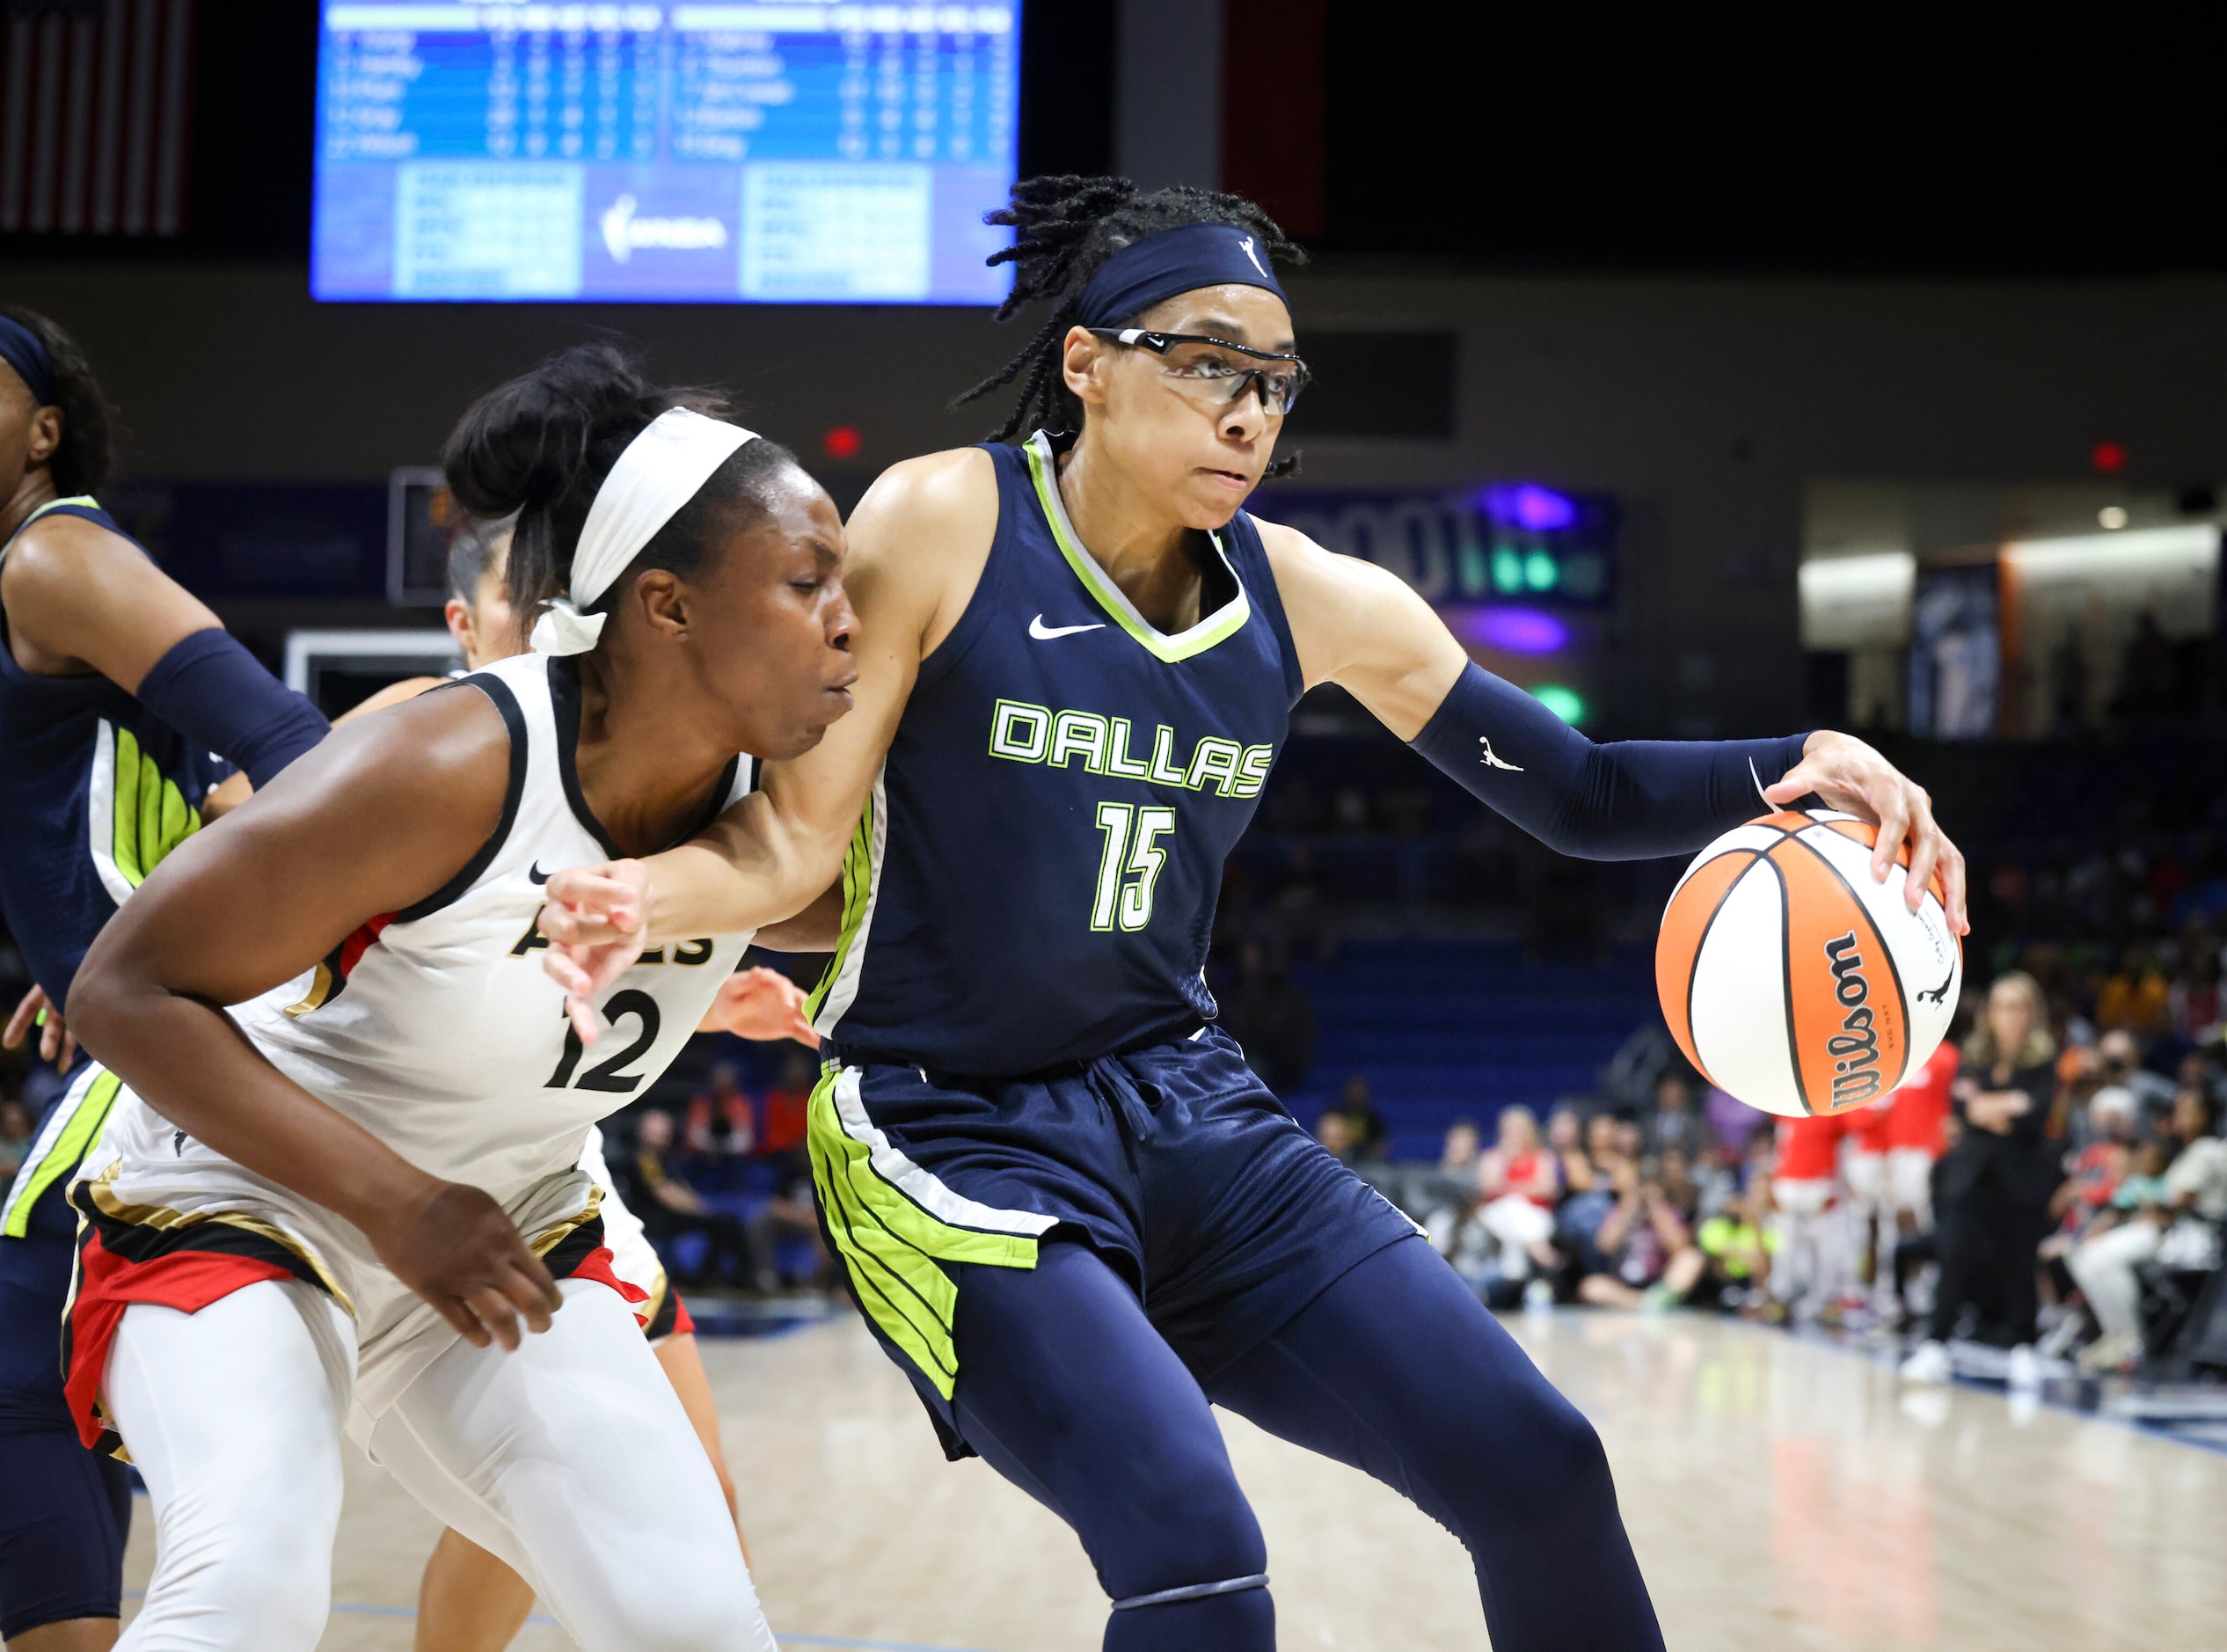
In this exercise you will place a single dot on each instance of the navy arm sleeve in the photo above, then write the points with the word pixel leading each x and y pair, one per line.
pixel 1629 801
pixel 214 691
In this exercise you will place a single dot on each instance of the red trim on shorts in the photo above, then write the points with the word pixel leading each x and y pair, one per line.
pixel 366 937
pixel 683 1321
pixel 108 1284
pixel 598 1265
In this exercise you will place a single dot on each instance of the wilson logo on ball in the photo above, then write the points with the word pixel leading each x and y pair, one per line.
pixel 1855 1047
pixel 1793 980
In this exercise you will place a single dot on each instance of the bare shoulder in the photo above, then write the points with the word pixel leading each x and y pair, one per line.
pixel 67 558
pixel 378 816
pixel 445 752
pixel 1363 626
pixel 920 538
pixel 930 498
pixel 1329 598
pixel 1304 569
pixel 81 595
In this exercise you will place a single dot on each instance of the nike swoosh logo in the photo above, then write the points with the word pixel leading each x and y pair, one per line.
pixel 536 875
pixel 1043 632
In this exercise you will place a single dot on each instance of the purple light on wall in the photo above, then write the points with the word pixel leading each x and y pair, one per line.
pixel 1513 630
pixel 1528 505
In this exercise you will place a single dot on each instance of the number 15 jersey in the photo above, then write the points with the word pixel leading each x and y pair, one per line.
pixel 436 1029
pixel 1034 881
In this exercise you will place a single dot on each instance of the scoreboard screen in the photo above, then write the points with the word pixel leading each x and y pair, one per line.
pixel 517 150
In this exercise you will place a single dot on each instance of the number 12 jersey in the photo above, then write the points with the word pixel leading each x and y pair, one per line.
pixel 436 1028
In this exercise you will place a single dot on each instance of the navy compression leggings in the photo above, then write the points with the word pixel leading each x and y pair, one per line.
pixel 1397 1368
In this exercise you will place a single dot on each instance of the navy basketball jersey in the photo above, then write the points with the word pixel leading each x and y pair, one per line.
pixel 1034 881
pixel 94 791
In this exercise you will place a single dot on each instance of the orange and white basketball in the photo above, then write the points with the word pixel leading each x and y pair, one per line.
pixel 1794 981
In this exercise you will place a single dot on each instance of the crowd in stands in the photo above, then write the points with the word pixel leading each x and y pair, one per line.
pixel 723 1181
pixel 1673 1202
pixel 2049 1189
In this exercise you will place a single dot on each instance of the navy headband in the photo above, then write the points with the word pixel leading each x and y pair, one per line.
pixel 1179 260
pixel 22 349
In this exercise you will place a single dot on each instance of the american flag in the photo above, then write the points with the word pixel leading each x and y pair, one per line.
pixel 93 116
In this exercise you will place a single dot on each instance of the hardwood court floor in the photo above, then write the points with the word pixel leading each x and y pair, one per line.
pixel 1782 1494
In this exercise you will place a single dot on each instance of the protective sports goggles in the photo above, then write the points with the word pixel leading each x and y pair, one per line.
pixel 1215 372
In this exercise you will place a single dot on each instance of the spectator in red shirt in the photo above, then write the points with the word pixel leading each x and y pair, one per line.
pixel 1914 1135
pixel 1520 1181
pixel 786 1108
pixel 720 1122
pixel 1811 1268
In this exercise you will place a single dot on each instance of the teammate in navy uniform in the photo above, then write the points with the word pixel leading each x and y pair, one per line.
pixel 123 704
pixel 1069 1211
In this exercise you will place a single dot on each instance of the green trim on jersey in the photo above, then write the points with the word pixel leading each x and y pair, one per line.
pixel 861 879
pixel 893 1248
pixel 135 814
pixel 86 499
pixel 68 1137
pixel 1219 626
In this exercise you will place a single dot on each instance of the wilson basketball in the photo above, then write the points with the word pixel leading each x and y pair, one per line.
pixel 1794 981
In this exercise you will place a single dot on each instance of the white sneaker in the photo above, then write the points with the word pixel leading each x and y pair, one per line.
pixel 2110 1353
pixel 1929 1364
pixel 2023 1372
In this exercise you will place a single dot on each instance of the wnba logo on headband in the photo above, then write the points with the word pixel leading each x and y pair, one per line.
pixel 1179 260
pixel 661 471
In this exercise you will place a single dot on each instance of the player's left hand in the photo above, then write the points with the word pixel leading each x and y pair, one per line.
pixel 597 921
pixel 55 1042
pixel 1851 777
pixel 760 1003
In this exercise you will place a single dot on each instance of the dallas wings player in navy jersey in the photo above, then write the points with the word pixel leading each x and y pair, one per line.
pixel 1070 1213
pixel 123 706
pixel 336 1197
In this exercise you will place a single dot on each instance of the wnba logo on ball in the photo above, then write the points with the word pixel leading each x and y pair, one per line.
pixel 1855 1047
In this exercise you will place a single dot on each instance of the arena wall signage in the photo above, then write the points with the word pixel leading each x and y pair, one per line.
pixel 1505 543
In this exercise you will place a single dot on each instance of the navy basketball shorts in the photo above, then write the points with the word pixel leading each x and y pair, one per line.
pixel 1173 1163
pixel 64 1511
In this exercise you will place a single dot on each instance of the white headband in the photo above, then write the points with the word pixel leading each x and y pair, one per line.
pixel 661 471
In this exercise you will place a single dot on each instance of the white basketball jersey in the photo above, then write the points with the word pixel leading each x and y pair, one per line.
pixel 437 1029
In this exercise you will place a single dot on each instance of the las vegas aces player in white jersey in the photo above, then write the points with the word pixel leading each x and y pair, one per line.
pixel 357 1193
pixel 469 1600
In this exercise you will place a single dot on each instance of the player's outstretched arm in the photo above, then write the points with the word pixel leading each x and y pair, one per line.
pixel 1359 626
pixel 378 817
pixel 916 544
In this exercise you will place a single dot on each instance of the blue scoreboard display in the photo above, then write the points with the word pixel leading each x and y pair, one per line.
pixel 691 153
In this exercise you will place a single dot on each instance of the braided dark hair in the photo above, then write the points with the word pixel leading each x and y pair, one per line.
pixel 1067 226
pixel 87 452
